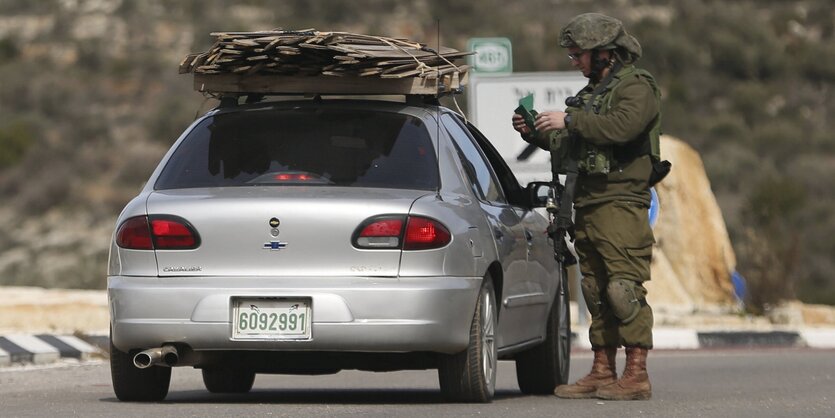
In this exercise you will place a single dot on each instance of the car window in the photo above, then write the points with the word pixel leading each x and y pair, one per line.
pixel 352 148
pixel 479 171
pixel 510 185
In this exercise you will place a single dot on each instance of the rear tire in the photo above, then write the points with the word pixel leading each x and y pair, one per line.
pixel 133 384
pixel 228 380
pixel 542 368
pixel 470 376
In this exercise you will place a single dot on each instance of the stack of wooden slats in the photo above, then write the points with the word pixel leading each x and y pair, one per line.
pixel 312 53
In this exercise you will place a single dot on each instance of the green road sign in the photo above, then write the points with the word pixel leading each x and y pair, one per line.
pixel 493 55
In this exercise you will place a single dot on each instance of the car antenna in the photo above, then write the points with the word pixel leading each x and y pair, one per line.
pixel 438 113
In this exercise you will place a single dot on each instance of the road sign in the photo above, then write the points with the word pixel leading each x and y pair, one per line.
pixel 492 55
pixel 492 99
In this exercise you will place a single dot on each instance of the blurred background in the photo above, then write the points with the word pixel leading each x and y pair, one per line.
pixel 90 100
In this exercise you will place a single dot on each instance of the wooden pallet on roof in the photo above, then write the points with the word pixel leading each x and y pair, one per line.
pixel 335 62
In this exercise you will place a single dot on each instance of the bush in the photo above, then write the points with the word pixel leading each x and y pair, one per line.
pixel 15 139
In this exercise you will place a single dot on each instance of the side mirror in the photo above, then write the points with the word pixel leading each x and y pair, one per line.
pixel 538 193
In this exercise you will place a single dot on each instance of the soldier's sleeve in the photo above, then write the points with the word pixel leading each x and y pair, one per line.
pixel 634 106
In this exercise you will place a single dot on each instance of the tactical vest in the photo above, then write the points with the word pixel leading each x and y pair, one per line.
pixel 600 159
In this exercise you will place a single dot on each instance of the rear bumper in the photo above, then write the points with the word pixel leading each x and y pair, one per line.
pixel 349 314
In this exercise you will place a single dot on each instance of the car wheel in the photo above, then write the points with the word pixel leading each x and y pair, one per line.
pixel 228 380
pixel 131 383
pixel 470 376
pixel 542 368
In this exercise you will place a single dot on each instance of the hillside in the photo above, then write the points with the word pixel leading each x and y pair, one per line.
pixel 90 99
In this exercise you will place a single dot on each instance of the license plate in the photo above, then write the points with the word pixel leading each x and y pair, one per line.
pixel 271 318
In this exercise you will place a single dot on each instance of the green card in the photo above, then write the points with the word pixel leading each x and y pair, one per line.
pixel 526 110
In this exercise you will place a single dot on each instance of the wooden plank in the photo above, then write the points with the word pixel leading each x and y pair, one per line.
pixel 277 84
pixel 185 64
pixel 340 55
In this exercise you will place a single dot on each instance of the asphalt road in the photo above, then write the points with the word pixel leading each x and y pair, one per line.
pixel 732 383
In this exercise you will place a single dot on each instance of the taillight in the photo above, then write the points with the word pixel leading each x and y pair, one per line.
pixel 161 232
pixel 401 232
pixel 425 234
pixel 135 234
pixel 173 234
pixel 380 232
pixel 292 177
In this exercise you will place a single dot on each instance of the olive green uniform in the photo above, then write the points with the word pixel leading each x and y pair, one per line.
pixel 613 237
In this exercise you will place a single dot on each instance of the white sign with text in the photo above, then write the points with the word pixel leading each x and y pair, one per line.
pixel 492 99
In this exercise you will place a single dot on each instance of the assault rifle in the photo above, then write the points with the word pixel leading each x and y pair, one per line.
pixel 559 207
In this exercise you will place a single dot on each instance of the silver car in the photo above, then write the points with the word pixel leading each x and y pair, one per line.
pixel 311 236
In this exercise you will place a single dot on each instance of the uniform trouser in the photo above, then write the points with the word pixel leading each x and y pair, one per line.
pixel 614 245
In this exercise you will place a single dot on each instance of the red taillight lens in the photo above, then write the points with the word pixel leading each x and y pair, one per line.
pixel 161 233
pixel 425 234
pixel 399 231
pixel 172 235
pixel 135 234
pixel 383 228
pixel 293 177
pixel 380 232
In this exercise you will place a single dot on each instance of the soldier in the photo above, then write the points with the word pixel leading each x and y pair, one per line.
pixel 610 132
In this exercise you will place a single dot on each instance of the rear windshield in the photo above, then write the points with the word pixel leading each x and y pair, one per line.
pixel 352 148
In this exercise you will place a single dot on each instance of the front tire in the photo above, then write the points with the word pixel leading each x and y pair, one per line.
pixel 542 368
pixel 228 380
pixel 133 384
pixel 470 376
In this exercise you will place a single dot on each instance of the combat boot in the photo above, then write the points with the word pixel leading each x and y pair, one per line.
pixel 634 384
pixel 602 373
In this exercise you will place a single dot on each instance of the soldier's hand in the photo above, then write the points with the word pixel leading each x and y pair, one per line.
pixel 519 124
pixel 548 121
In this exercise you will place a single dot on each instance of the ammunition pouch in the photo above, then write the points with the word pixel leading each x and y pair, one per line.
pixel 594 159
pixel 660 169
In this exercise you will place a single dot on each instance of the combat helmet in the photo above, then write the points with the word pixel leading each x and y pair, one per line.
pixel 590 31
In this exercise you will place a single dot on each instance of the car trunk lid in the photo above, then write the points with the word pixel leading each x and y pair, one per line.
pixel 279 231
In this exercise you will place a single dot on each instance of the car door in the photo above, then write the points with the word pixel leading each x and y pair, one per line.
pixel 508 233
pixel 542 275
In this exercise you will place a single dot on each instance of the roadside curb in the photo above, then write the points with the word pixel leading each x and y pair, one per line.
pixel 691 339
pixel 43 349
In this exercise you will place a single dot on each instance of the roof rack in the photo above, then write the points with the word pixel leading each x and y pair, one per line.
pixel 313 62
pixel 307 85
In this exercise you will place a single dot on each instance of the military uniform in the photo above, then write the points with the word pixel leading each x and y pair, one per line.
pixel 612 136
pixel 613 236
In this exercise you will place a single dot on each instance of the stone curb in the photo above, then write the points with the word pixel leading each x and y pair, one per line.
pixel 45 348
pixel 691 339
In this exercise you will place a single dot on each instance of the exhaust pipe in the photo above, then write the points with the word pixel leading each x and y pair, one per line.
pixel 164 356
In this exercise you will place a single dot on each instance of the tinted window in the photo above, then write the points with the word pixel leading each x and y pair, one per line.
pixel 480 173
pixel 351 148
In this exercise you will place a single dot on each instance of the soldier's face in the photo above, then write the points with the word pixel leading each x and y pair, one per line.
pixel 581 60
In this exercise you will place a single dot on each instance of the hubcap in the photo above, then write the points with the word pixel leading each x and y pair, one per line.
pixel 488 343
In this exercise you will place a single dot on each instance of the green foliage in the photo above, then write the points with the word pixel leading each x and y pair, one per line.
pixel 817 62
pixel 15 139
pixel 8 49
pixel 748 83
pixel 771 252
pixel 775 203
